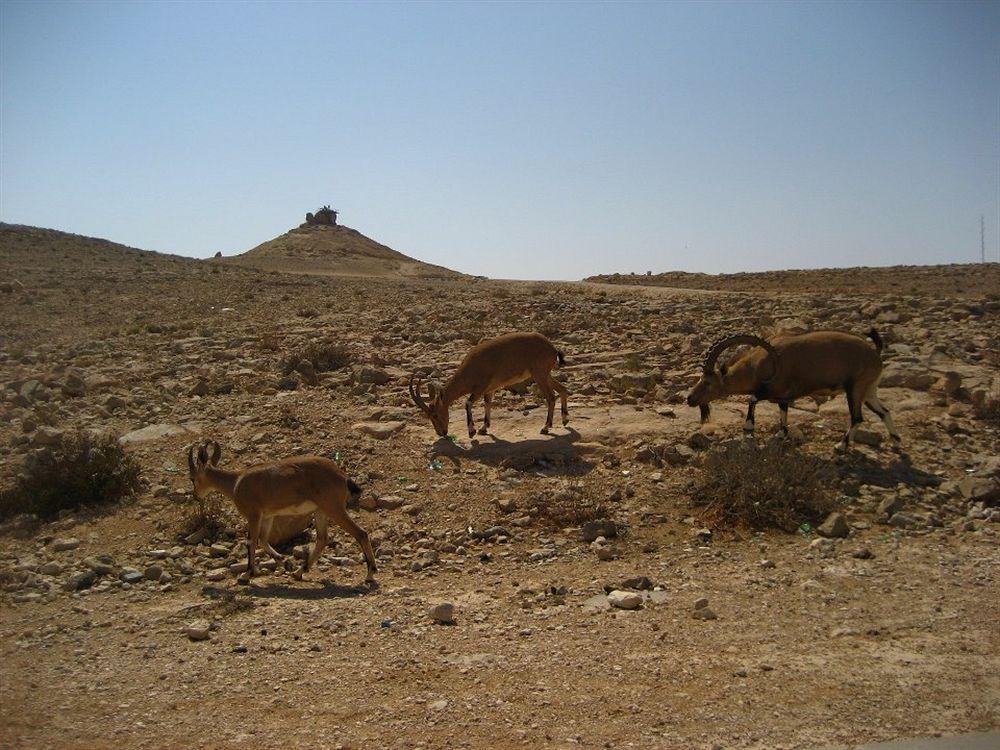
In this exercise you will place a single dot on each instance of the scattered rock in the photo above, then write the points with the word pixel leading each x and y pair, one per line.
pixel 198 630
pixel 64 545
pixel 379 430
pixel 442 613
pixel 624 599
pixel 603 527
pixel 835 526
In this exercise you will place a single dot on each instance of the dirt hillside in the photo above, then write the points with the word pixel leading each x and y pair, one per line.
pixel 336 251
pixel 957 280
pixel 124 625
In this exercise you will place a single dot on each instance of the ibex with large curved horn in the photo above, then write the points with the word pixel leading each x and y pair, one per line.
pixel 490 365
pixel 293 486
pixel 790 367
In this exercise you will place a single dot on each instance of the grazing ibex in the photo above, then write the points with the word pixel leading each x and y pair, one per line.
pixel 490 365
pixel 790 367
pixel 291 487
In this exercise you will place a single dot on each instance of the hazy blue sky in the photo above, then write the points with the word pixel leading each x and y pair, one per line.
pixel 514 140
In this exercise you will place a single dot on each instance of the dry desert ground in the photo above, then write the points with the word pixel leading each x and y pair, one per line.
pixel 124 625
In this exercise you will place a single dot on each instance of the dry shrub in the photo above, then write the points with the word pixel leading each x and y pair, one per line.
pixel 210 516
pixel 771 485
pixel 79 469
pixel 566 509
pixel 270 342
pixel 324 356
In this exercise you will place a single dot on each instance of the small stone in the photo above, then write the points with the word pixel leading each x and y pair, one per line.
pixel 389 502
pixel 904 521
pixel 440 705
pixel 703 535
pixel 373 375
pixel 198 630
pixel 442 613
pixel 82 580
pixel 835 526
pixel 153 572
pixel 890 505
pixel 624 599
pixel 200 388
pixel 45 435
pixel 379 430
pixel 130 575
pixel 99 566
pixel 218 550
pixel 507 504
pixel 700 602
pixel 867 437
pixel 593 529
pixel 63 545
pixel 705 613
pixel 51 568
pixel 604 552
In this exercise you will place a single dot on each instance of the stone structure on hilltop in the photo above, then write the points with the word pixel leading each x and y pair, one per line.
pixel 324 216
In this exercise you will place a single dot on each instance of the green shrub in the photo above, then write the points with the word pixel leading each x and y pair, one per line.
pixel 80 469
pixel 771 485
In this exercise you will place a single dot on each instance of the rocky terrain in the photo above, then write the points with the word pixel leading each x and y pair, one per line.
pixel 336 250
pixel 971 280
pixel 535 591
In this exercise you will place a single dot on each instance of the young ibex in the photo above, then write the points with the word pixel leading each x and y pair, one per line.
pixel 490 365
pixel 293 486
pixel 790 367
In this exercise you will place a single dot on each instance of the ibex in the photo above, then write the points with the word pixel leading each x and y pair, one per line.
pixel 790 367
pixel 490 365
pixel 293 486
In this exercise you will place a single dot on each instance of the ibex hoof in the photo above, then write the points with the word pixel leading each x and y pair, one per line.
pixel 545 430
pixel 243 579
pixel 484 431
pixel 297 574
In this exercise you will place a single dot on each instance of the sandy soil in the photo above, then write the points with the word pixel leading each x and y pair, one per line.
pixel 813 643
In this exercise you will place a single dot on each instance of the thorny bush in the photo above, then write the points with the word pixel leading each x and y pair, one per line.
pixel 80 469
pixel 763 485
pixel 324 356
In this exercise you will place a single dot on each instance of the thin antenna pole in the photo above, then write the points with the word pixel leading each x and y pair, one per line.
pixel 982 238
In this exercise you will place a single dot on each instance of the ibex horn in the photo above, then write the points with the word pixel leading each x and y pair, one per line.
pixel 743 338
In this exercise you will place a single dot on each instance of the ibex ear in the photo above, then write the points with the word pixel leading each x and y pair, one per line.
pixel 723 369
pixel 432 390
pixel 191 466
pixel 203 455
pixel 216 453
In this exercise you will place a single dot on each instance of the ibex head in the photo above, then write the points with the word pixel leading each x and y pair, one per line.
pixel 197 465
pixel 437 410
pixel 715 381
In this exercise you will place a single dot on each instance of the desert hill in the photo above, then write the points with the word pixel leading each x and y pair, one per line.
pixel 336 250
pixel 963 280
pixel 38 248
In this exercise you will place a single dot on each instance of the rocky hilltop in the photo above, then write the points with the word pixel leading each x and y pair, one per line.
pixel 334 250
